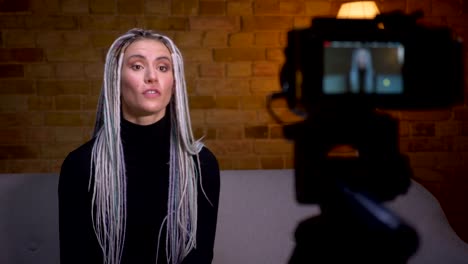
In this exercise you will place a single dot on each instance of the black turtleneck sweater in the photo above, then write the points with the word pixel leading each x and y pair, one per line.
pixel 146 152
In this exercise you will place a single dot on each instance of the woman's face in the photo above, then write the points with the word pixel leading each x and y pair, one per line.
pixel 147 81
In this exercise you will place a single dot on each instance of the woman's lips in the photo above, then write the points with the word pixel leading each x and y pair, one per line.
pixel 151 93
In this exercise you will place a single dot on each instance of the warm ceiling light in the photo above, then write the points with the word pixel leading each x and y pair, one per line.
pixel 358 10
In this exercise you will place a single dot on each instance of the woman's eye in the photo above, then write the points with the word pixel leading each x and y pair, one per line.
pixel 163 68
pixel 137 67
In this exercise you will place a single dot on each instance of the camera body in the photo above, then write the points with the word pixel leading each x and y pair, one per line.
pixel 407 65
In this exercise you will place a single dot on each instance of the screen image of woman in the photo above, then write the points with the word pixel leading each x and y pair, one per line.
pixel 361 74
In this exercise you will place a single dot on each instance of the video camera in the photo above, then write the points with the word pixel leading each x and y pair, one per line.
pixel 339 74
pixel 412 66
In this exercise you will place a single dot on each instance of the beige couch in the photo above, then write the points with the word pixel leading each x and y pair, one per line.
pixel 257 218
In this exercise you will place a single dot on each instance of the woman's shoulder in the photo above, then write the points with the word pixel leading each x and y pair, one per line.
pixel 78 159
pixel 208 158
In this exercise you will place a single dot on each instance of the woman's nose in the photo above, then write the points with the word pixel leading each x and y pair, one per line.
pixel 151 75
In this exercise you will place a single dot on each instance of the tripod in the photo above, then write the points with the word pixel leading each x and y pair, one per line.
pixel 353 226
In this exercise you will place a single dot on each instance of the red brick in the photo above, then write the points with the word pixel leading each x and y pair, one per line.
pixel 430 144
pixel 40 103
pixel 235 86
pixel 102 6
pixel 241 39
pixel 207 133
pixel 270 69
pixel 196 55
pixel 51 22
pixel 229 133
pixel 403 129
pixel 17 87
pixel 239 54
pixel 460 113
pixel 12 136
pixel 227 102
pixel 225 163
pixel 130 6
pixel 72 54
pixel 273 146
pixel 427 174
pixel 28 166
pixel 416 5
pixel 40 135
pixel 72 70
pixel 226 23
pixel 38 71
pixel 256 131
pixel 11 70
pixel 68 119
pixel 58 150
pixel 272 162
pixel 252 102
pixel 198 117
pixel 18 39
pixel 275 55
pixel 166 23
pixel 71 134
pixel 94 70
pixel 14 6
pixel 422 159
pixel 99 22
pixel 208 86
pixel 253 23
pixel 158 7
pixel 13 103
pixel 275 132
pixel 228 116
pixel 318 8
pixel 264 85
pixel 230 147
pixel 19 152
pixel 394 5
pixel 239 8
pixel 184 7
pixel 68 87
pixel 212 70
pixel 12 22
pixel 435 115
pixel 302 21
pixel 267 39
pixel 239 69
pixel 102 39
pixel 188 39
pixel 460 144
pixel 423 129
pixel 448 128
pixel 215 39
pixel 202 102
pixel 292 8
pixel 68 102
pixel 446 7
pixel 267 7
pixel 212 8
pixel 21 55
pixel 75 6
pixel 245 162
pixel 22 119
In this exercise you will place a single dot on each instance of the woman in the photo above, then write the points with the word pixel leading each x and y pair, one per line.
pixel 361 74
pixel 142 190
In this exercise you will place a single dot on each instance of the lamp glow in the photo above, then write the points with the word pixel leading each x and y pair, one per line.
pixel 358 10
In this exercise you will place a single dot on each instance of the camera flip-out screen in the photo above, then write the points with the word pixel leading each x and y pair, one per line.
pixel 354 67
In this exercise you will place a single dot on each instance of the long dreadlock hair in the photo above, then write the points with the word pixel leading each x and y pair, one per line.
pixel 108 167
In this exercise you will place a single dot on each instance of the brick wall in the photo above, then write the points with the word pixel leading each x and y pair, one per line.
pixel 51 60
